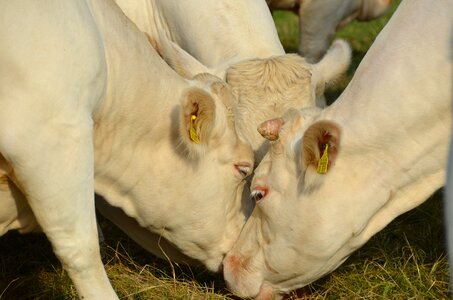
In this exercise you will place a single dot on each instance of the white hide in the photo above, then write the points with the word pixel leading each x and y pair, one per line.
pixel 318 20
pixel 228 44
pixel 88 106
pixel 389 133
pixel 265 88
pixel 238 41
pixel 217 33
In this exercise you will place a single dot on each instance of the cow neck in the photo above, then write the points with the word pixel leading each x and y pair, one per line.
pixel 221 40
pixel 394 112
pixel 140 110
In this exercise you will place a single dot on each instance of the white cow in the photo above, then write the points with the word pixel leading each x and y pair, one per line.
pixel 88 105
pixel 237 41
pixel 332 179
pixel 318 20
pixel 241 45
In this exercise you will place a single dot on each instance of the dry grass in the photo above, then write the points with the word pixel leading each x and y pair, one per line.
pixel 404 261
pixel 29 270
pixel 407 260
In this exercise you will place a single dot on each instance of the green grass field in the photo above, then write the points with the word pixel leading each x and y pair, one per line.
pixel 407 260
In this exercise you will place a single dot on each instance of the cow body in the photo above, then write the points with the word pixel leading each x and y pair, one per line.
pixel 318 20
pixel 387 138
pixel 218 33
pixel 93 108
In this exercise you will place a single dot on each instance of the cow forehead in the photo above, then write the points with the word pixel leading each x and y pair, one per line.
pixel 284 78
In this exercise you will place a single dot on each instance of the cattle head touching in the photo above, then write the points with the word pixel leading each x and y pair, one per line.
pixel 208 133
pixel 192 178
pixel 265 88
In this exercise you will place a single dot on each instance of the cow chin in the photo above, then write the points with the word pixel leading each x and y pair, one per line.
pixel 214 265
pixel 240 279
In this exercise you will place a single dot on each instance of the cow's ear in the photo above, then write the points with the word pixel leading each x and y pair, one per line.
pixel 197 119
pixel 270 129
pixel 177 58
pixel 320 145
pixel 334 63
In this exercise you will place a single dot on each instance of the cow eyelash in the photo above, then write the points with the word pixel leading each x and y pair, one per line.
pixel 243 170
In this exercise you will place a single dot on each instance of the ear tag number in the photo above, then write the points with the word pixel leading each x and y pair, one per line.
pixel 192 131
pixel 323 161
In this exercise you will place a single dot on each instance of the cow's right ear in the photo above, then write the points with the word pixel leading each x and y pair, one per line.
pixel 320 145
pixel 197 120
pixel 177 58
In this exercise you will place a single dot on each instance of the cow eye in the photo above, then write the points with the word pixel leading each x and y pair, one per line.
pixel 243 169
pixel 258 194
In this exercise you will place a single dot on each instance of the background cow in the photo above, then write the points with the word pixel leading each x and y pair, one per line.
pixel 87 105
pixel 318 20
pixel 333 179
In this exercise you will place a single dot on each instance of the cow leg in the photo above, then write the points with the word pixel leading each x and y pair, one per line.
pixel 317 23
pixel 52 162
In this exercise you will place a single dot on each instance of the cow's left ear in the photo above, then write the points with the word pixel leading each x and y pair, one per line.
pixel 320 145
pixel 197 119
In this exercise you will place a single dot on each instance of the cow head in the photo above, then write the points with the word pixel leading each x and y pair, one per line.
pixel 266 88
pixel 196 188
pixel 320 195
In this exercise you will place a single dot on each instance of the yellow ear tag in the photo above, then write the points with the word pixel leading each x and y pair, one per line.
pixel 192 131
pixel 323 161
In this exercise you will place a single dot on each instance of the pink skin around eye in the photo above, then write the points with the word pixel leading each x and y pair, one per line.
pixel 242 165
pixel 263 189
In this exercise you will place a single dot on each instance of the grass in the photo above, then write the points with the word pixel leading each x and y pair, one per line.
pixel 407 260
pixel 30 270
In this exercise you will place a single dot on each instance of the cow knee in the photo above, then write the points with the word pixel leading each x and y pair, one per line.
pixel 78 254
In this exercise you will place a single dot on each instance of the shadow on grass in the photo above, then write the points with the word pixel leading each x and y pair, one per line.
pixel 30 270
pixel 406 259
